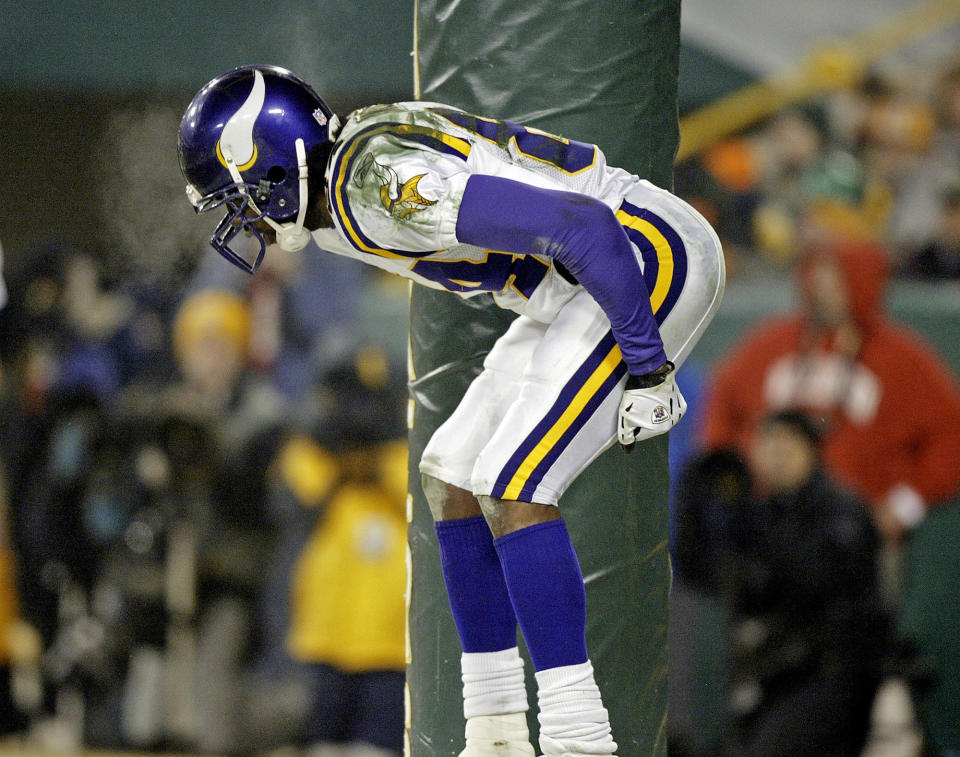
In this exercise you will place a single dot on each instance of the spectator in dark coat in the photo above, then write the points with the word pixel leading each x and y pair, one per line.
pixel 795 564
pixel 807 635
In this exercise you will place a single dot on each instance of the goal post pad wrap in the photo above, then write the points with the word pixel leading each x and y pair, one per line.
pixel 588 70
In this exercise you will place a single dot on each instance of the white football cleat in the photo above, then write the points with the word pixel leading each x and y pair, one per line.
pixel 498 736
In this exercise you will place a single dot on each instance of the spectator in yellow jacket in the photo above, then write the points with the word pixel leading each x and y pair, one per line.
pixel 347 611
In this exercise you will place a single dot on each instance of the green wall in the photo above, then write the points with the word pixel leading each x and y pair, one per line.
pixel 351 48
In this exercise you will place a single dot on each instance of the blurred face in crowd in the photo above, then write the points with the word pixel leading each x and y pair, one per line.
pixel 829 302
pixel 950 224
pixel 950 101
pixel 280 262
pixel 211 337
pixel 212 363
pixel 796 142
pixel 783 458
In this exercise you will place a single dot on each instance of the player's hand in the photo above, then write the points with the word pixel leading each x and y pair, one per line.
pixel 649 408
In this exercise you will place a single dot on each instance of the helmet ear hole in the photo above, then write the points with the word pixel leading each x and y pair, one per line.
pixel 276 174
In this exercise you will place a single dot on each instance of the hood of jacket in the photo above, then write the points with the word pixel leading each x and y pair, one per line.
pixel 864 267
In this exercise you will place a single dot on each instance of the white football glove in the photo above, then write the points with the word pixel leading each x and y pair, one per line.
pixel 647 411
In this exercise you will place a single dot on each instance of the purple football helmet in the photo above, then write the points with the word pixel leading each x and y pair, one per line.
pixel 243 144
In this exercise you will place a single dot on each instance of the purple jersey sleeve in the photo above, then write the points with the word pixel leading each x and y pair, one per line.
pixel 584 236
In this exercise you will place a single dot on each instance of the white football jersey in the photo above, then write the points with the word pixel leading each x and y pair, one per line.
pixel 396 178
pixel 551 386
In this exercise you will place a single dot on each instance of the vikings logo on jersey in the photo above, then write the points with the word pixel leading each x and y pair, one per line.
pixel 399 200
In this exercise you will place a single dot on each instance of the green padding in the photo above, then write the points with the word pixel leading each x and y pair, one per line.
pixel 598 71
pixel 449 339
pixel 931 616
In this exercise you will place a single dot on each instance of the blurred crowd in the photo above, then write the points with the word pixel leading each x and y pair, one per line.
pixel 825 446
pixel 198 486
pixel 203 476
pixel 878 162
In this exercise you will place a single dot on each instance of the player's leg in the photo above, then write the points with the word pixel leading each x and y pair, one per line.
pixel 495 697
pixel 564 416
pixel 494 691
pixel 546 587
pixel 561 417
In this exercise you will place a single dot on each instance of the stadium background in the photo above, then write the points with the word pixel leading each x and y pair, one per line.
pixel 66 73
pixel 72 80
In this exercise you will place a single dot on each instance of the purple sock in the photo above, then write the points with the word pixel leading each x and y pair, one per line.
pixel 478 595
pixel 546 587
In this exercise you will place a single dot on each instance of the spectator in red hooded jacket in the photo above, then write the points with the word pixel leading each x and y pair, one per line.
pixel 890 404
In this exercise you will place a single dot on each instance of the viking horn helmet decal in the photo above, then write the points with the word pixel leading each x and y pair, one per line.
pixel 237 135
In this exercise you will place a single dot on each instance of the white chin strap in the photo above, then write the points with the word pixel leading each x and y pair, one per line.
pixel 291 237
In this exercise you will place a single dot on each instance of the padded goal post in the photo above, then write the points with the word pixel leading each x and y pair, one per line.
pixel 589 70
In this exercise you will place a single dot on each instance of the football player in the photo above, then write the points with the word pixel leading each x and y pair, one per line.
pixel 614 281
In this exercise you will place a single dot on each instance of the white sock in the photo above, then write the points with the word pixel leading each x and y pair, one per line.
pixel 493 683
pixel 572 716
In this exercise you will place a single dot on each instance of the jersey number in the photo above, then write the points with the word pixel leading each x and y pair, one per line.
pixel 494 274
pixel 566 154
